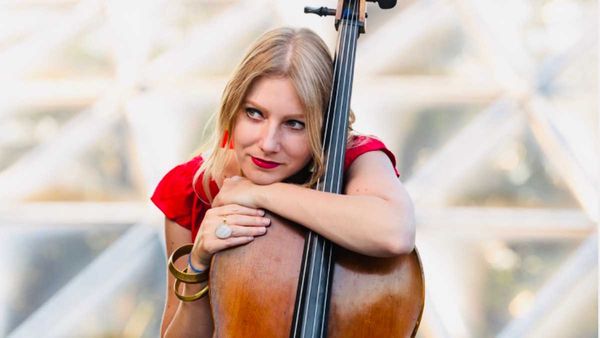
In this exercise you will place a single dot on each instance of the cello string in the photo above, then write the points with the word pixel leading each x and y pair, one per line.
pixel 338 140
pixel 318 239
pixel 346 96
pixel 311 235
pixel 345 93
pixel 349 82
pixel 344 129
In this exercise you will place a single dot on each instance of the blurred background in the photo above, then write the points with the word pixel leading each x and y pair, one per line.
pixel 490 106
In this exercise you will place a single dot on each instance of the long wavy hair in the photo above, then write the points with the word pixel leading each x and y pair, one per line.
pixel 297 54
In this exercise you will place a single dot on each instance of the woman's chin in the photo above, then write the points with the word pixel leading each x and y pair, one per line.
pixel 262 178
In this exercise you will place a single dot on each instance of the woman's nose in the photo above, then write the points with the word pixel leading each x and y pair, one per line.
pixel 270 140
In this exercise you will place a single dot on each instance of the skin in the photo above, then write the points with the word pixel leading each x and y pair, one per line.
pixel 270 127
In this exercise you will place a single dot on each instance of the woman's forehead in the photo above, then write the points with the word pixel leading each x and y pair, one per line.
pixel 275 95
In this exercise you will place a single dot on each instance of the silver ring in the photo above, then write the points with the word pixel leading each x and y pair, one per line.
pixel 223 231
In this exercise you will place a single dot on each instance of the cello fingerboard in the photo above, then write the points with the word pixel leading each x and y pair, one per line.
pixel 312 299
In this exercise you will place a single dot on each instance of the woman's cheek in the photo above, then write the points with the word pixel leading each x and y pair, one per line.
pixel 305 149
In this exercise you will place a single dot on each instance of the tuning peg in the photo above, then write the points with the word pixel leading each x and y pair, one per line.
pixel 320 11
pixel 385 4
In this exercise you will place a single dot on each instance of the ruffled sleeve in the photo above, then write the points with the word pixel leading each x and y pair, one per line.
pixel 175 196
pixel 365 143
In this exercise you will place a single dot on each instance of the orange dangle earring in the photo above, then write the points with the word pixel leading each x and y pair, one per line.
pixel 225 139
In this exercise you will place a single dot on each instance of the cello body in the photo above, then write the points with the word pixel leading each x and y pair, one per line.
pixel 253 289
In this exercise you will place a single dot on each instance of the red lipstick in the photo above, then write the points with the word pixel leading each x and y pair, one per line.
pixel 264 164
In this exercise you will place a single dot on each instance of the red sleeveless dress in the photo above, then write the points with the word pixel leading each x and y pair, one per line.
pixel 176 197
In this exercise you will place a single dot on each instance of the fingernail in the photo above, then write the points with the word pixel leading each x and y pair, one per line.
pixel 261 212
pixel 266 221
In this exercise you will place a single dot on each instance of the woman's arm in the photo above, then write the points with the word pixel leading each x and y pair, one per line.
pixel 194 319
pixel 375 216
pixel 183 319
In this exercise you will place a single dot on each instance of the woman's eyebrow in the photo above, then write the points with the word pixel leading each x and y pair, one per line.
pixel 252 103
pixel 265 110
pixel 257 106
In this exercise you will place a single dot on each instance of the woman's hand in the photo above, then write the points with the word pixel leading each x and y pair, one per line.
pixel 245 223
pixel 237 190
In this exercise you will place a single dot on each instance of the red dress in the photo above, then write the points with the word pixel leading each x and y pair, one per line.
pixel 176 197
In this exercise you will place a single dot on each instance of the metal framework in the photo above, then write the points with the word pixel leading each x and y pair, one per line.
pixel 515 89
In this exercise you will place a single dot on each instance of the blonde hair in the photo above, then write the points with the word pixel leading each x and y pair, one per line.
pixel 297 54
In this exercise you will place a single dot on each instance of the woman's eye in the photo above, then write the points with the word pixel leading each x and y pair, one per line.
pixel 253 113
pixel 294 124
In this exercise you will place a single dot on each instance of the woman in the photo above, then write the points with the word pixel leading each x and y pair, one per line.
pixel 266 156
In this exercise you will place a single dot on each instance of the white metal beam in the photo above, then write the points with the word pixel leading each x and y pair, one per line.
pixel 205 43
pixel 479 27
pixel 518 224
pixel 578 306
pixel 409 90
pixel 79 214
pixel 90 287
pixel 451 310
pixel 39 166
pixel 564 279
pixel 26 56
pixel 552 66
pixel 582 182
pixel 391 43
pixel 432 325
pixel 432 182
pixel 55 93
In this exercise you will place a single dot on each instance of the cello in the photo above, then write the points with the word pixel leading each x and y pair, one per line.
pixel 295 282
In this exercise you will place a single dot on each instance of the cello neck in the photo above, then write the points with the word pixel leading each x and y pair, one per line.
pixel 311 308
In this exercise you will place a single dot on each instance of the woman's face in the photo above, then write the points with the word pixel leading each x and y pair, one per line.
pixel 270 136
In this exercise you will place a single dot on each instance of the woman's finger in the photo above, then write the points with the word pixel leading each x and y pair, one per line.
pixel 241 231
pixel 236 209
pixel 244 220
pixel 239 234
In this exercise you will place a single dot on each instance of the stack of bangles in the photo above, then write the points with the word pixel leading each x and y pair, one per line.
pixel 198 276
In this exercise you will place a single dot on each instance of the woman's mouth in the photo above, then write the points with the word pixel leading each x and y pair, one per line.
pixel 264 163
